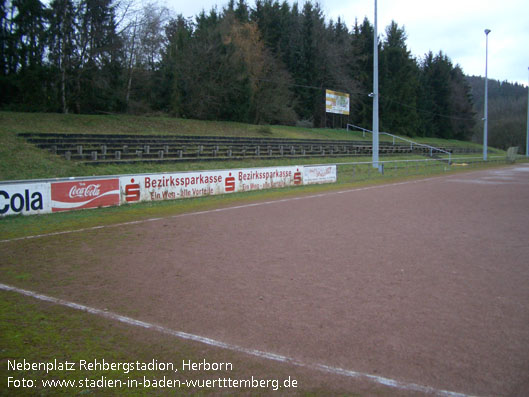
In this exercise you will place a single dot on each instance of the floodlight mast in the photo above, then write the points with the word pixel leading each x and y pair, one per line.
pixel 527 137
pixel 486 110
pixel 375 92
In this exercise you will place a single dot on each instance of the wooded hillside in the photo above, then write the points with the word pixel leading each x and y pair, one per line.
pixel 507 112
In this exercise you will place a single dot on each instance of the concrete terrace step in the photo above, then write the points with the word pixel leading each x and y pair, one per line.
pixel 169 139
pixel 120 148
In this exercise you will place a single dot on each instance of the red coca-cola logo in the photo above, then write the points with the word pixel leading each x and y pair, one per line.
pixel 73 195
pixel 91 190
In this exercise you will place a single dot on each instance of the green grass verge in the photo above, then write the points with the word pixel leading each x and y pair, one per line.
pixel 33 332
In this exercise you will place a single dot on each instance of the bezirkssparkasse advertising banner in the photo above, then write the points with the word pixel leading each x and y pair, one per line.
pixel 170 186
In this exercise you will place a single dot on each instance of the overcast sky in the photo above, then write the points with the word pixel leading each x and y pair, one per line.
pixel 455 27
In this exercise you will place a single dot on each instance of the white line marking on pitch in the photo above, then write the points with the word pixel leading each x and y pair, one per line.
pixel 87 229
pixel 235 348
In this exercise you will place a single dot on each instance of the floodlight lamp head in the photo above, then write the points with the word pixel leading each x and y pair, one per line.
pixel 487 31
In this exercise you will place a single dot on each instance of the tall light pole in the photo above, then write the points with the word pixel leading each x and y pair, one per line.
pixel 527 138
pixel 375 92
pixel 486 111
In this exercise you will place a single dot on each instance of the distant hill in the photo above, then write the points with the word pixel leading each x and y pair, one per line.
pixel 507 108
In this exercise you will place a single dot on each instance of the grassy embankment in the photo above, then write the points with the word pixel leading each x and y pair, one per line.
pixel 20 160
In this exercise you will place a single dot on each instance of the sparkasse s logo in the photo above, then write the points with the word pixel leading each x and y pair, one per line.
pixel 297 177
pixel 132 191
pixel 229 183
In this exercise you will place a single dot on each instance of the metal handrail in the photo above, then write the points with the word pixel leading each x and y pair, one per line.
pixel 432 148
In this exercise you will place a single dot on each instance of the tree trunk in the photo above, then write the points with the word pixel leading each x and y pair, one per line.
pixel 129 83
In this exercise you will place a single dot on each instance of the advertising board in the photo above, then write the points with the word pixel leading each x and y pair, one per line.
pixel 336 102
pixel 171 186
pixel 66 196
pixel 39 197
pixel 319 174
pixel 25 198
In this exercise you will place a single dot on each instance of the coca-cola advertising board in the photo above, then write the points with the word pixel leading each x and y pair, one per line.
pixel 24 198
pixel 75 195
pixel 172 186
